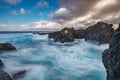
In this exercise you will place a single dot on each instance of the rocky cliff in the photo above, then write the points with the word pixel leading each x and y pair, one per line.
pixel 111 57
pixel 100 32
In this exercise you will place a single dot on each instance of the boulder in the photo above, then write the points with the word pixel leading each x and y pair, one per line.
pixel 19 74
pixel 101 32
pixel 4 75
pixel 6 47
pixel 111 57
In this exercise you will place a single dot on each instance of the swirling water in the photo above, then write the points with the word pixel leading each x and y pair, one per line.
pixel 46 60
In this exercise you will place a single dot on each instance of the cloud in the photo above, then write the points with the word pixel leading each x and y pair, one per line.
pixel 46 25
pixel 42 4
pixel 23 11
pixel 34 26
pixel 81 13
pixel 61 15
pixel 14 12
pixel 13 2
pixel 76 8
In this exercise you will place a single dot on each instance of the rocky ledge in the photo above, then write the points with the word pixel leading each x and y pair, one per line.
pixel 100 32
pixel 111 57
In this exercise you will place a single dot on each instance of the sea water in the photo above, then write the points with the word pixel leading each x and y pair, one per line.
pixel 45 59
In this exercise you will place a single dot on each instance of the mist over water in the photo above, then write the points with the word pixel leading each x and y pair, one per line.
pixel 46 60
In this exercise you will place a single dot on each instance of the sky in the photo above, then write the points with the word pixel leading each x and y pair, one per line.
pixel 24 15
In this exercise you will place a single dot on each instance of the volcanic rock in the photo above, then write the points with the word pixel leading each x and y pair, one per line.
pixel 111 57
pixel 64 38
pixel 6 47
pixel 101 32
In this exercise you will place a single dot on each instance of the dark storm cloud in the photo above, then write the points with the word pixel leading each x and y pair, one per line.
pixel 75 7
pixel 88 11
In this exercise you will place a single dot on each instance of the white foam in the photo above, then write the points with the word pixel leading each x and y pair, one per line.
pixel 75 59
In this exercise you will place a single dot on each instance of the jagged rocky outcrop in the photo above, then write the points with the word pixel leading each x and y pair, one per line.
pixel 4 75
pixel 6 47
pixel 64 37
pixel 111 57
pixel 80 33
pixel 100 32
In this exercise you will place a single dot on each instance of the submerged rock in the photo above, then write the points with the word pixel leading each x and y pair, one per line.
pixel 111 57
pixel 6 47
pixel 4 75
pixel 19 74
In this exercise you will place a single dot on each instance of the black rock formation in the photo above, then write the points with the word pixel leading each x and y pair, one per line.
pixel 111 57
pixel 6 47
pixel 101 32
pixel 65 35
pixel 4 75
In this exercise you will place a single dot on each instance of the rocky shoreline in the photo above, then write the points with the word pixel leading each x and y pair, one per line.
pixel 100 32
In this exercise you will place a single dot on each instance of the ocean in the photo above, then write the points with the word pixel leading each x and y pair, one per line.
pixel 45 59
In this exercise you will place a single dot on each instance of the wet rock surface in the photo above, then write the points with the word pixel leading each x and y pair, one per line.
pixel 111 57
